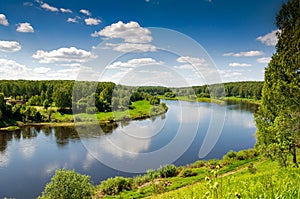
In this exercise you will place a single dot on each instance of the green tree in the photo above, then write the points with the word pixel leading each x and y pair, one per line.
pixel 68 185
pixel 62 97
pixel 278 117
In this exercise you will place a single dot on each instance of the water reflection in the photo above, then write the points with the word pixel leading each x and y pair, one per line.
pixel 29 157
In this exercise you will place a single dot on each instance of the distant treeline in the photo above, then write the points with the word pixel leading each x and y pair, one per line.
pixel 21 95
pixel 247 89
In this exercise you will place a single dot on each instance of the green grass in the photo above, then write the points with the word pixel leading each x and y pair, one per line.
pixel 244 100
pixel 269 181
pixel 141 109
pixel 157 186
pixel 193 99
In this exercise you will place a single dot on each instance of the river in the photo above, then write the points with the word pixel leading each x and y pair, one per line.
pixel 187 132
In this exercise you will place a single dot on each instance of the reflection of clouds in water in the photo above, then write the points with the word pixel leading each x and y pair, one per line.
pixel 27 148
pixel 188 114
pixel 50 168
pixel 131 151
pixel 89 160
pixel 144 129
pixel 120 144
pixel 241 119
pixel 4 159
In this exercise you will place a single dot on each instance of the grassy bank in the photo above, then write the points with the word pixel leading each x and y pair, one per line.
pixel 268 181
pixel 242 100
pixel 193 99
pixel 170 178
pixel 242 174
pixel 140 110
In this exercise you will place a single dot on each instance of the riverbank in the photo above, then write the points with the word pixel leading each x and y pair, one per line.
pixel 242 174
pixel 140 110
pixel 223 100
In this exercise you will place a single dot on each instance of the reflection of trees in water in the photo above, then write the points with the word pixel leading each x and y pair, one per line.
pixel 64 134
pixel 29 132
pixel 95 130
pixel 241 105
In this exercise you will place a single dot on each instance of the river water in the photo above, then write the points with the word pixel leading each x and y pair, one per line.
pixel 187 132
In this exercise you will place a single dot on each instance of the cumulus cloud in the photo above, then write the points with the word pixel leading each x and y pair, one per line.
pixel 132 47
pixel 269 39
pixel 65 10
pixel 239 64
pixel 9 46
pixel 130 32
pixel 72 20
pixel 133 63
pixel 24 27
pixel 12 69
pixel 71 54
pixel 3 20
pixel 48 7
pixel 251 53
pixel 86 12
pixel 92 21
pixel 195 61
pixel 41 70
pixel 264 60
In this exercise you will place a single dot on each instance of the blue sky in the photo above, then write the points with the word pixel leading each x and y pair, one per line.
pixel 113 39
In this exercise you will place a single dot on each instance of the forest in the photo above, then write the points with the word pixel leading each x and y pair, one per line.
pixel 20 99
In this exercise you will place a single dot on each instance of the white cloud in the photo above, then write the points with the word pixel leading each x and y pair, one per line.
pixel 130 32
pixel 71 65
pixel 48 7
pixel 92 21
pixel 195 61
pixel 9 46
pixel 72 20
pixel 3 20
pixel 264 60
pixel 251 53
pixel 41 70
pixel 132 47
pixel 71 54
pixel 12 69
pixel 239 64
pixel 65 10
pixel 134 63
pixel 185 67
pixel 86 12
pixel 25 27
pixel 269 39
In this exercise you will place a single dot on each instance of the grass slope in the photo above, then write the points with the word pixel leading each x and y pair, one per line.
pixel 269 181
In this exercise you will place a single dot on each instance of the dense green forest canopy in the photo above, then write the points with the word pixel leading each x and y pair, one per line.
pixel 19 98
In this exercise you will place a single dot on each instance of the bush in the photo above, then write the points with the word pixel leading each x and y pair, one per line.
pixel 113 186
pixel 251 168
pixel 68 184
pixel 187 173
pixel 91 110
pixel 197 164
pixel 167 171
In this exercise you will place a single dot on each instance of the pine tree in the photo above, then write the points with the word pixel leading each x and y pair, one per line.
pixel 278 120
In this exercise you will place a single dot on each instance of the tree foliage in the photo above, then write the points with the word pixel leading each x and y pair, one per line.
pixel 277 120
pixel 68 184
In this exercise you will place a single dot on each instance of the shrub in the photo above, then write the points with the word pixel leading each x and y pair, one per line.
pixel 91 110
pixel 152 174
pixel 251 168
pixel 187 173
pixel 197 164
pixel 167 171
pixel 113 186
pixel 68 184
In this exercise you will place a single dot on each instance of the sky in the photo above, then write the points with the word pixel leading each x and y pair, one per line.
pixel 138 42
